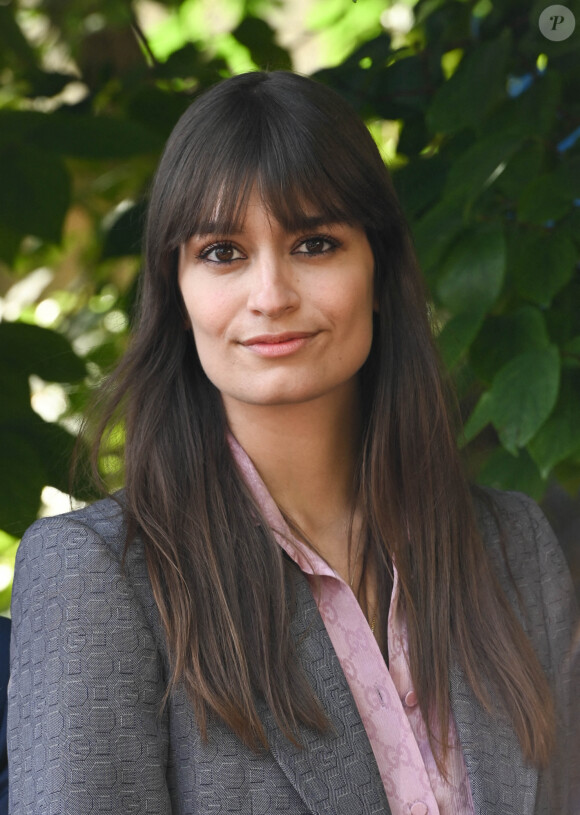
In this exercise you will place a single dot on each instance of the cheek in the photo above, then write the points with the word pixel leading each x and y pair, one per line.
pixel 358 307
pixel 354 322
pixel 207 331
pixel 363 320
pixel 206 310
pixel 205 324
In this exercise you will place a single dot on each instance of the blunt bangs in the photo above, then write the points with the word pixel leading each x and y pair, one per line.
pixel 308 156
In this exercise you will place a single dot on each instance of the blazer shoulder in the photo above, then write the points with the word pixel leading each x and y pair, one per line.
pixel 88 671
pixel 515 521
pixel 516 533
pixel 508 503
pixel 83 548
pixel 532 570
pixel 104 518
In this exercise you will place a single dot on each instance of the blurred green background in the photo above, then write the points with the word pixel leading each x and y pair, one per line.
pixel 477 114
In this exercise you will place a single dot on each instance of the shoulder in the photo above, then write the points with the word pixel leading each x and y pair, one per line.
pixel 514 526
pixel 71 570
pixel 76 541
pixel 88 667
pixel 531 568
pixel 80 554
pixel 104 519
pixel 509 507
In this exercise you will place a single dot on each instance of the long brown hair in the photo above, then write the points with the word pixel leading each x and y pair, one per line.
pixel 219 578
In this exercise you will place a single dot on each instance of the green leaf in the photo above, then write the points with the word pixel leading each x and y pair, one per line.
pixel 155 109
pixel 545 198
pixel 419 183
pixel 9 244
pixel 376 49
pixel 481 164
pixel 523 395
pixel 457 335
pixel 446 23
pixel 414 136
pixel 78 135
pixel 506 472
pixel 260 40
pixel 542 264
pixel 572 349
pixel 124 231
pixel 6 597
pixel 53 445
pixel 8 543
pixel 30 349
pixel 47 83
pixel 563 316
pixel 407 83
pixel 571 226
pixel 363 87
pixel 15 388
pixel 479 418
pixel 34 454
pixel 183 62
pixel 435 230
pixel 473 271
pixel 537 109
pixel 22 478
pixel 504 336
pixel 8 549
pixel 526 163
pixel 559 437
pixel 568 174
pixel 323 15
pixel 35 192
pixel 477 84
pixel 12 39
pixel 532 114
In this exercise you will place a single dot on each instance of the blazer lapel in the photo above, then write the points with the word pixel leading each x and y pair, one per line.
pixel 335 773
pixel 501 783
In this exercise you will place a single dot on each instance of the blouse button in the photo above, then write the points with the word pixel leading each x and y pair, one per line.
pixel 411 700
pixel 419 808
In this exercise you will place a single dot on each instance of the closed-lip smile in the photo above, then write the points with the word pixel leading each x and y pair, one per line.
pixel 269 339
pixel 284 344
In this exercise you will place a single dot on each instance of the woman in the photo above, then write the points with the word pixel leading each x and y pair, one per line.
pixel 295 519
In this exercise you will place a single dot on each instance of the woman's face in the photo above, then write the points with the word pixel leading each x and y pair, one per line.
pixel 279 317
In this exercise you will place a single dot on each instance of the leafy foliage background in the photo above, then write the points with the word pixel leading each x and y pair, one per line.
pixel 477 113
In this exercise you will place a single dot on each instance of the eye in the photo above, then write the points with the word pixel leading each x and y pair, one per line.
pixel 222 252
pixel 316 245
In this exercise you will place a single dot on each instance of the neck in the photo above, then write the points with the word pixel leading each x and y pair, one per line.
pixel 306 454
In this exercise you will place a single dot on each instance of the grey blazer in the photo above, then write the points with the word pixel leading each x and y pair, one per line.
pixel 89 668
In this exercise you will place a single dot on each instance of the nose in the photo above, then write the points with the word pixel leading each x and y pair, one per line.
pixel 273 287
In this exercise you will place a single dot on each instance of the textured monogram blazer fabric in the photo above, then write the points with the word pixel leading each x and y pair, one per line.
pixel 89 670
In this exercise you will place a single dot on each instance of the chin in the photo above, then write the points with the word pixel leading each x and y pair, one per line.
pixel 276 399
pixel 285 395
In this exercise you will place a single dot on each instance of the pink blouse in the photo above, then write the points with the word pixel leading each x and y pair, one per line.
pixel 385 697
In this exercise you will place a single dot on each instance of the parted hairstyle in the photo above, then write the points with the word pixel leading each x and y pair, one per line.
pixel 220 580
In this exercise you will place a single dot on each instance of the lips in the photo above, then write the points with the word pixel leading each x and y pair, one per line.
pixel 284 344
pixel 272 339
